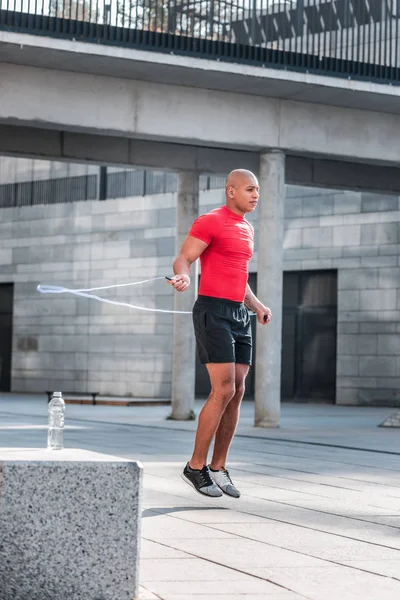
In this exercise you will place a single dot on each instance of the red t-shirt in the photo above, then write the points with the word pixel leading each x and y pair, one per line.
pixel 224 263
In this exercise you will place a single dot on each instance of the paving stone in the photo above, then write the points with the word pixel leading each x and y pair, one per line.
pixel 333 582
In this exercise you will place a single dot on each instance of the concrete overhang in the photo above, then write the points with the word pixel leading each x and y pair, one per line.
pixel 107 150
pixel 169 68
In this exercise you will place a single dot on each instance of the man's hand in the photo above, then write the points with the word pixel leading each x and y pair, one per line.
pixel 180 282
pixel 264 315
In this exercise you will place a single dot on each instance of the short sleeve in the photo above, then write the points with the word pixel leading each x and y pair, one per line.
pixel 203 228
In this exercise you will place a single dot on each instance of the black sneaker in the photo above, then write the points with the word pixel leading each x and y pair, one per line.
pixel 202 481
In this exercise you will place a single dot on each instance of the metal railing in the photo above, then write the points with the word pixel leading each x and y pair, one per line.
pixel 350 38
pixel 120 184
pixel 48 191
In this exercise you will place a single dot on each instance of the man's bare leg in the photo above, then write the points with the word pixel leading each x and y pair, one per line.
pixel 222 377
pixel 229 420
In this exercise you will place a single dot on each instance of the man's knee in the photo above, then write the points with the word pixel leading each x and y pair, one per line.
pixel 225 391
pixel 240 389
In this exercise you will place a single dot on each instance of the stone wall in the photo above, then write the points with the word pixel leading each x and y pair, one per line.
pixel 81 345
pixel 77 344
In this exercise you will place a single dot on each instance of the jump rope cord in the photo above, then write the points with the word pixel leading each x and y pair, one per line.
pixel 58 289
pixel 84 292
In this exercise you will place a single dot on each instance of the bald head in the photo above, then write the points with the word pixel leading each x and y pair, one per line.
pixel 240 177
pixel 241 190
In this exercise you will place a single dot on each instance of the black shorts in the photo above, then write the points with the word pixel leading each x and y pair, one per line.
pixel 223 331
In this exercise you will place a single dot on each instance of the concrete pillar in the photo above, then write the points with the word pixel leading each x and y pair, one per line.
pixel 183 371
pixel 269 288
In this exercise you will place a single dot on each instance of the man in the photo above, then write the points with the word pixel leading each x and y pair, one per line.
pixel 224 241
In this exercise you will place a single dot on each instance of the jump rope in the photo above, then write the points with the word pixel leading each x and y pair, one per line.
pixel 85 293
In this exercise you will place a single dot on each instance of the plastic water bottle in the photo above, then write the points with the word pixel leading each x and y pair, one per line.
pixel 55 436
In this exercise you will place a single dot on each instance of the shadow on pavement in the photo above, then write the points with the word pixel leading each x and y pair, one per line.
pixel 153 512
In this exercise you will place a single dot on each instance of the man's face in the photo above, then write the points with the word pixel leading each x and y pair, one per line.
pixel 245 194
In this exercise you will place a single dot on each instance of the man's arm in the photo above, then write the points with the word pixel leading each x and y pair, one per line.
pixel 252 302
pixel 191 249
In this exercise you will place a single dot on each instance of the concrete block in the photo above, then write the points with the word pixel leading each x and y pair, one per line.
pixel 317 237
pixel 349 300
pixel 361 219
pixel 378 300
pixel 165 246
pixel 166 217
pixel 293 207
pixel 319 263
pixel 143 248
pixel 69 525
pixel 82 223
pixel 6 229
pixel 377 366
pixel 84 208
pixel 159 232
pixel 367 344
pixel 378 327
pixel 389 383
pixel 348 235
pixel 292 265
pixel 358 382
pixel 389 344
pixel 347 344
pixel 346 396
pixel 347 366
pixel 301 254
pixel 379 261
pixel 330 252
pixel 30 255
pixel 332 221
pixel 389 278
pixel 347 202
pixel 360 251
pixel 389 217
pixel 108 206
pixel 348 328
pixel 380 233
pixel 299 223
pixel 116 250
pixel 379 397
pixel 389 250
pixel 378 202
pixel 293 238
pixel 358 279
pixel 170 200
pixel 347 263
pixel 62 253
pixel 321 205
pixel 7 270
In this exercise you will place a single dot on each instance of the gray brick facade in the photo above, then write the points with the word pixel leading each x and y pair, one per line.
pixel 365 233
pixel 81 345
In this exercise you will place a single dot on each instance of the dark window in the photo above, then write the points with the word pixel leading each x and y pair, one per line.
pixel 309 335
